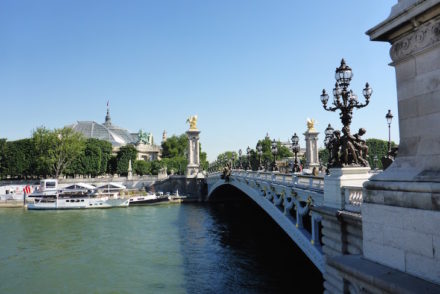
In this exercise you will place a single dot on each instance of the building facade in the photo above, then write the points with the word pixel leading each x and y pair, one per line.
pixel 119 137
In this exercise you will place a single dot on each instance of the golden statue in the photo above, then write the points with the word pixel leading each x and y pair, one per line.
pixel 192 120
pixel 311 125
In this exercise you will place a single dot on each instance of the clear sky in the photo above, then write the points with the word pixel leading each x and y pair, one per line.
pixel 246 68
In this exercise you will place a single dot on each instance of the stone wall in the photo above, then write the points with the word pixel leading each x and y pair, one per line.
pixel 341 235
pixel 194 188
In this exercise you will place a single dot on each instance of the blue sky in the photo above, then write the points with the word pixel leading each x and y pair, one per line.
pixel 246 68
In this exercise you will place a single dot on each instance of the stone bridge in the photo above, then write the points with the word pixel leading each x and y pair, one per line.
pixel 291 201
pixel 323 215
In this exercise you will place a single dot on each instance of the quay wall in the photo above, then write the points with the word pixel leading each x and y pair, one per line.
pixel 195 189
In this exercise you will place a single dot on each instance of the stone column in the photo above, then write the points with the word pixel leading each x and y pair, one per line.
pixel 312 159
pixel 193 166
pixel 401 210
pixel 130 171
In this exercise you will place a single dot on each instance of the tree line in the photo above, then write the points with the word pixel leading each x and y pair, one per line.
pixel 377 149
pixel 53 153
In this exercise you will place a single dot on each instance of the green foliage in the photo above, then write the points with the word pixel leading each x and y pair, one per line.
pixel 123 156
pixel 3 145
pixel 267 157
pixel 43 142
pixel 175 146
pixel 56 150
pixel 142 167
pixel 177 164
pixel 379 148
pixel 174 154
pixel 18 158
pixel 323 156
pixel 112 165
pixel 203 160
pixel 156 166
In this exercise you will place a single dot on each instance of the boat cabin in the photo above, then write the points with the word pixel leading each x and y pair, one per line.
pixel 111 189
pixel 48 185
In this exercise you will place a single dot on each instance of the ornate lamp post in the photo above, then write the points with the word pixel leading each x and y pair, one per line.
pixel 248 152
pixel 239 159
pixel 295 149
pixel 260 153
pixel 274 152
pixel 345 100
pixel 328 136
pixel 389 118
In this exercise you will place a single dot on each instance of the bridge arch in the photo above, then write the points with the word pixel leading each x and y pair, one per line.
pixel 277 201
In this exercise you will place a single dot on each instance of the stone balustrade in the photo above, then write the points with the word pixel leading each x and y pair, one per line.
pixel 353 198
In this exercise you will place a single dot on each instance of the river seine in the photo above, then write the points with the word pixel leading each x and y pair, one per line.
pixel 171 248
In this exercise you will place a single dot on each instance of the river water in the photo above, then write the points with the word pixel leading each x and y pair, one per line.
pixel 171 248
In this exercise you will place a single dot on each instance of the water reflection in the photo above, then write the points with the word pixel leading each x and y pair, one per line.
pixel 236 247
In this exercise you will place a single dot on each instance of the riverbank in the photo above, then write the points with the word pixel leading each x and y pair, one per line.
pixel 11 203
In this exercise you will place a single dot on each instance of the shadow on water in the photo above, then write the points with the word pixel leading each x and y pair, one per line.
pixel 234 246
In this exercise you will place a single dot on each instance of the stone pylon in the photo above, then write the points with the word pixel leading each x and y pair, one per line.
pixel 311 137
pixel 193 167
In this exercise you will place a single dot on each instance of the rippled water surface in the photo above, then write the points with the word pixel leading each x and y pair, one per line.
pixel 187 248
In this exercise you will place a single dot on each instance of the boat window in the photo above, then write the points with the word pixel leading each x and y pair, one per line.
pixel 82 200
pixel 67 200
pixel 50 184
pixel 90 204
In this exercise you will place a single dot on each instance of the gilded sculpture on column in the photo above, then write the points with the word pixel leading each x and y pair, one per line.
pixel 192 120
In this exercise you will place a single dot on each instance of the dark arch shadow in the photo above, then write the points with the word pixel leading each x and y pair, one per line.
pixel 243 250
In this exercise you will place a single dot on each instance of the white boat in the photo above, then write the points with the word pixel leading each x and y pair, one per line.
pixel 77 196
pixel 147 200
pixel 176 197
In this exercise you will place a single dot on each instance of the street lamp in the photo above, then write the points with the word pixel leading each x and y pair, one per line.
pixel 260 153
pixel 239 159
pixel 375 162
pixel 295 149
pixel 389 118
pixel 248 152
pixel 328 136
pixel 274 152
pixel 233 160
pixel 345 100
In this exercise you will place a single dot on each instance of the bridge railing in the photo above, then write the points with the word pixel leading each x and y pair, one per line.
pixel 353 198
pixel 353 195
pixel 295 180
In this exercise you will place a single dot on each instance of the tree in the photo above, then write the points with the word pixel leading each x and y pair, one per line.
pixel 68 146
pixel 56 150
pixel 94 160
pixel 2 157
pixel 267 157
pixel 142 167
pixel 43 142
pixel 125 154
pixel 18 158
pixel 379 148
pixel 175 146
